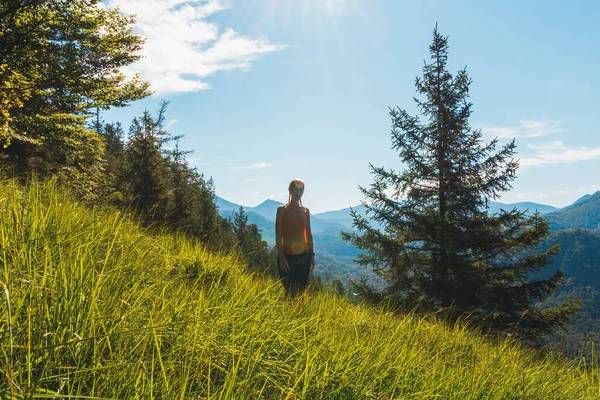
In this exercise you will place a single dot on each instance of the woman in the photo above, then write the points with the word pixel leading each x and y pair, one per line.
pixel 293 237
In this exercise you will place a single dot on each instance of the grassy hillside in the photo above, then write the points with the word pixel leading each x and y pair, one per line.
pixel 94 306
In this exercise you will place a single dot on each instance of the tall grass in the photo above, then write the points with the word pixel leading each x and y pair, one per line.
pixel 92 305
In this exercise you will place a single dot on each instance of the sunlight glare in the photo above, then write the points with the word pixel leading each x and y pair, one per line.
pixel 340 6
pixel 333 7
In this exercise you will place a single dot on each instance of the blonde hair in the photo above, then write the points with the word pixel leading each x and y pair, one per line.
pixel 293 184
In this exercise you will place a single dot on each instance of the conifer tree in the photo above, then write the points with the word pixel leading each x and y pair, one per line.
pixel 159 182
pixel 240 224
pixel 181 179
pixel 146 165
pixel 113 161
pixel 211 221
pixel 439 247
pixel 114 152
pixel 250 243
pixel 209 224
pixel 192 199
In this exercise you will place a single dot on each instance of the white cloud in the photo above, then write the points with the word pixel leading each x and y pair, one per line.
pixel 259 165
pixel 555 193
pixel 555 152
pixel 183 48
pixel 527 128
pixel 558 153
pixel 533 128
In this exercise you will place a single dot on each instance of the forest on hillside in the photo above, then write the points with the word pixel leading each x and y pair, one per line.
pixel 579 258
pixel 62 66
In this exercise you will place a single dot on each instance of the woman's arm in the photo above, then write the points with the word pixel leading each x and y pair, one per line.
pixel 309 240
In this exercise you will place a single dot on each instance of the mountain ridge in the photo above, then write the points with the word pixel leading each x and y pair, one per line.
pixel 361 208
pixel 341 217
pixel 263 215
pixel 584 213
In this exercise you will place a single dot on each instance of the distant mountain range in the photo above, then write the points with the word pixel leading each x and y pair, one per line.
pixel 326 226
pixel 263 215
pixel 584 213
pixel 495 206
pixel 268 210
pixel 333 221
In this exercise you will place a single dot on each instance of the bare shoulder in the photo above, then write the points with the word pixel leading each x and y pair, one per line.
pixel 281 207
pixel 306 210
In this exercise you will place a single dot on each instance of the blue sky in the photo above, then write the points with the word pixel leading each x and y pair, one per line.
pixel 270 90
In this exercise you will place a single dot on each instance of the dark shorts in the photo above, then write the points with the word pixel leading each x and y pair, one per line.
pixel 296 279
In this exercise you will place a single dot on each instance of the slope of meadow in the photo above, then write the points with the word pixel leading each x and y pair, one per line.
pixel 93 305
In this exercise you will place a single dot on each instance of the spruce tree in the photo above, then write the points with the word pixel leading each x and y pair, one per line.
pixel 192 199
pixel 113 161
pixel 112 134
pixel 439 248
pixel 180 213
pixel 147 166
pixel 240 225
pixel 208 223
pixel 250 243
